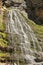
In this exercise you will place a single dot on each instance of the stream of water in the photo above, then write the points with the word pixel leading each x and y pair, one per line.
pixel 21 34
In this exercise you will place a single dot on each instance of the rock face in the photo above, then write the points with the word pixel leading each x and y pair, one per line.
pixel 17 1
pixel 21 4
pixel 12 2
pixel 35 10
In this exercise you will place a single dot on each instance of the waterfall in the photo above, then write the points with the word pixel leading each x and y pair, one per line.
pixel 22 34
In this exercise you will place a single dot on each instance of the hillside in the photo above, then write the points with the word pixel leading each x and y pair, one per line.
pixel 21 38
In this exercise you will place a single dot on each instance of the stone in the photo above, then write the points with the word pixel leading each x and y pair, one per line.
pixel 11 2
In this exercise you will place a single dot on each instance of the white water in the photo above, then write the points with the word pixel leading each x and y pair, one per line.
pixel 17 26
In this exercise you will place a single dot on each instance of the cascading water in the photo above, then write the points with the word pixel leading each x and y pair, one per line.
pixel 22 35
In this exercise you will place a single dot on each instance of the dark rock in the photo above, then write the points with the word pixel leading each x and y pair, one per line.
pixel 38 60
pixel 35 10
pixel 9 3
pixel 39 40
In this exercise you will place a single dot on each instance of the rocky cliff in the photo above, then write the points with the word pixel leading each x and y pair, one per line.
pixel 35 10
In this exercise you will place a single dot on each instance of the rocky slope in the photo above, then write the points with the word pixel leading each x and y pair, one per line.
pixel 6 49
pixel 6 54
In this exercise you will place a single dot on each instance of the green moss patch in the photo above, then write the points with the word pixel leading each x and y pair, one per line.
pixel 3 43
pixel 2 26
pixel 3 35
pixel 3 54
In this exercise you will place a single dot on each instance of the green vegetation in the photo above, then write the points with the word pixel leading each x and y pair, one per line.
pixel 2 54
pixel 2 27
pixel 3 43
pixel 3 39
pixel 4 35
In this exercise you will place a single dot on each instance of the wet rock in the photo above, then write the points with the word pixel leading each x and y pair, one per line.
pixel 7 3
pixel 38 60
pixel 39 57
pixel 11 2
